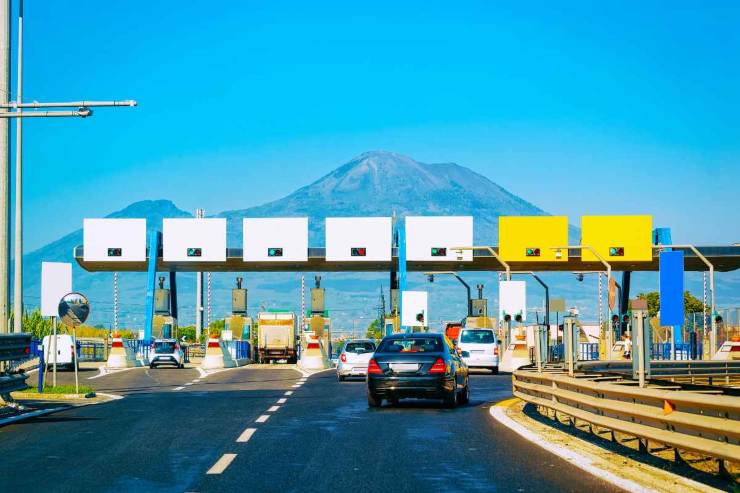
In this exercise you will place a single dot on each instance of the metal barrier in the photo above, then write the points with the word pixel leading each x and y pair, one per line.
pixel 90 351
pixel 239 349
pixel 14 346
pixel 694 372
pixel 140 347
pixel 676 417
pixel 684 351
pixel 587 351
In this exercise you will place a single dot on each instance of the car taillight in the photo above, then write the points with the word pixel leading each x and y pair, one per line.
pixel 177 347
pixel 373 367
pixel 439 366
pixel 495 351
pixel 343 357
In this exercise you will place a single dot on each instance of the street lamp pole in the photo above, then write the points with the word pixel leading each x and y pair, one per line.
pixel 467 287
pixel 18 238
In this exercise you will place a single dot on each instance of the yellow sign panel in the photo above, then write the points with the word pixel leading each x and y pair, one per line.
pixel 531 238
pixel 618 238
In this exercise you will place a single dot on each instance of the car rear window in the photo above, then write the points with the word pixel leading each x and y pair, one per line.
pixel 164 347
pixel 411 345
pixel 360 347
pixel 477 336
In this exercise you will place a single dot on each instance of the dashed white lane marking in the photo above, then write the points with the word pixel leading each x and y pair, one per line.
pixel 221 464
pixel 282 400
pixel 289 392
pixel 189 383
pixel 262 418
pixel 246 435
pixel 273 409
pixel 296 386
pixel 197 380
pixel 178 388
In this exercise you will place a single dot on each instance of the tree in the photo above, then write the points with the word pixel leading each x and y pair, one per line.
pixel 374 330
pixel 691 304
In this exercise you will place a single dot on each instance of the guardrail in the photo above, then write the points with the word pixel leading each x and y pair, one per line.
pixel 14 346
pixel 682 419
pixel 695 372
pixel 11 383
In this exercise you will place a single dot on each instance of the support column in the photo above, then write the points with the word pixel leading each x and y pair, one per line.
pixel 173 294
pixel 151 280
pixel 401 269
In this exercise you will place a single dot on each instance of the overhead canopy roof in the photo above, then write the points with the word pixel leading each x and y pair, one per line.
pixel 724 258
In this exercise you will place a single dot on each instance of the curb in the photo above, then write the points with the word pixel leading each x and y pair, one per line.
pixel 498 412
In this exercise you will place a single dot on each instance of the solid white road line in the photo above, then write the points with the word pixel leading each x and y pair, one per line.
pixel 262 418
pixel 201 372
pixel 221 464
pixel 584 463
pixel 188 384
pixel 273 409
pixel 178 388
pixel 282 400
pixel 289 392
pixel 246 435
pixel 114 397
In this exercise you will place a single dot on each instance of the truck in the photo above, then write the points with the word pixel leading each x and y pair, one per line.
pixel 276 337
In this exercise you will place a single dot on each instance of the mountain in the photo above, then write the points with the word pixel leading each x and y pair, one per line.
pixel 378 183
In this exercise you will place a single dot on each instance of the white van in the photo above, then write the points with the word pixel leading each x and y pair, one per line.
pixel 479 349
pixel 65 352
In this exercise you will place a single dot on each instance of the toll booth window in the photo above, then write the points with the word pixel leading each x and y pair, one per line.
pixel 411 345
pixel 359 252
pixel 195 252
pixel 114 252
pixel 532 252
pixel 439 252
pixel 616 251
pixel 274 252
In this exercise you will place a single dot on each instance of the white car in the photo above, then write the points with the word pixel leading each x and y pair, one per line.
pixel 166 352
pixel 354 358
pixel 479 348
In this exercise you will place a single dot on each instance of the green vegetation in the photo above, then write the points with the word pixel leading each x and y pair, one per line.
pixel 63 389
pixel 691 303
pixel 375 330
pixel 40 326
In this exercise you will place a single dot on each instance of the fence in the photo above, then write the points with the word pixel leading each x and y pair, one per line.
pixel 239 349
pixel 678 418
pixel 587 351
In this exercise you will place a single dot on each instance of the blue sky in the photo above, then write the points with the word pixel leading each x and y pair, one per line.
pixel 628 108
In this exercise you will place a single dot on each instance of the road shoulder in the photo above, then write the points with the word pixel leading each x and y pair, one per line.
pixel 617 469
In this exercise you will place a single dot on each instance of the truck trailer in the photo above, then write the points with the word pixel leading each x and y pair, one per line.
pixel 276 337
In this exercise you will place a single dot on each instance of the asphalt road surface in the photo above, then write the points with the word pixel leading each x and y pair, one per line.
pixel 175 431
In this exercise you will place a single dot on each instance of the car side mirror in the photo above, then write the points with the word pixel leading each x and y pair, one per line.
pixel 465 354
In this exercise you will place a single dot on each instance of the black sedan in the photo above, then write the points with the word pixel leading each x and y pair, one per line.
pixel 417 365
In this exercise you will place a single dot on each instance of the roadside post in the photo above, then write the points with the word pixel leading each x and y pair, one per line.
pixel 74 308
pixel 570 333
pixel 42 369
pixel 640 341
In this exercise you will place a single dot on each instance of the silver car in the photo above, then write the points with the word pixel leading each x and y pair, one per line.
pixel 354 358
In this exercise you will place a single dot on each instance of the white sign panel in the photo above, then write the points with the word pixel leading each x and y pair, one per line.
pixel 512 299
pixel 358 239
pixel 431 238
pixel 114 240
pixel 276 239
pixel 56 281
pixel 414 309
pixel 194 240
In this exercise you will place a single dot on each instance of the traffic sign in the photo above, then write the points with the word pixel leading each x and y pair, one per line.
pixel 532 238
pixel 617 238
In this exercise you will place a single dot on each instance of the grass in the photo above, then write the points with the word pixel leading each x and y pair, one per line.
pixel 63 389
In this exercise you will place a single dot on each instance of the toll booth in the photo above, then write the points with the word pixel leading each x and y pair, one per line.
pixel 319 326
pixel 164 324
pixel 238 325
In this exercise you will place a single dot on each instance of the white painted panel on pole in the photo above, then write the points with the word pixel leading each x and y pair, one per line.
pixel 432 237
pixel 114 240
pixel 358 239
pixel 283 239
pixel 194 240
pixel 414 309
pixel 56 281
pixel 512 299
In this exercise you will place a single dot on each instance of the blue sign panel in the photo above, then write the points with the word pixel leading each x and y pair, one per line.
pixel 671 288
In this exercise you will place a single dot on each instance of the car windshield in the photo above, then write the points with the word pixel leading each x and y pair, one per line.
pixel 411 345
pixel 164 347
pixel 477 336
pixel 360 347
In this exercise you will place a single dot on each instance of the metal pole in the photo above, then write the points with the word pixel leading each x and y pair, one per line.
pixel 198 293
pixel 18 264
pixel 467 289
pixel 74 356
pixel 4 164
pixel 115 300
pixel 208 301
pixel 54 368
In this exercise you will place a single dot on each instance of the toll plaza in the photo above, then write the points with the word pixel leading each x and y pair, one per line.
pixel 431 244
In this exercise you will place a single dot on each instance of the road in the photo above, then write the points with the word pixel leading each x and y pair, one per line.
pixel 172 427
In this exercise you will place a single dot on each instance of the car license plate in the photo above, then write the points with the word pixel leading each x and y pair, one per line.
pixel 404 367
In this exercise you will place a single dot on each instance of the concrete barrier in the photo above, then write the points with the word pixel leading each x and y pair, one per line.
pixel 121 356
pixel 218 356
pixel 313 355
